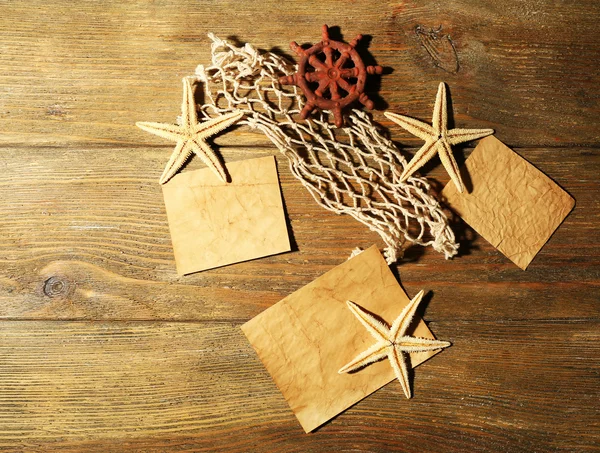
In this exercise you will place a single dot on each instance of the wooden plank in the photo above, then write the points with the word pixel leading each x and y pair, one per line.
pixel 84 73
pixel 502 386
pixel 85 236
pixel 155 362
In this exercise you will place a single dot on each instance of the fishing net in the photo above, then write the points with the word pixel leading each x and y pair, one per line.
pixel 352 170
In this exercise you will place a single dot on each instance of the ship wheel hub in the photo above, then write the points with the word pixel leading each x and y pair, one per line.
pixel 333 74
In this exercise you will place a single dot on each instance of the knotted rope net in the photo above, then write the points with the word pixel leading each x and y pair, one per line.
pixel 353 170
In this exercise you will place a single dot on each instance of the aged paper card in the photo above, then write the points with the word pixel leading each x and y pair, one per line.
pixel 214 223
pixel 512 204
pixel 304 339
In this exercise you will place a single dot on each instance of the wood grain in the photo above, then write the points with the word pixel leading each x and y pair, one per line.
pixel 86 237
pixel 199 387
pixel 103 347
pixel 85 73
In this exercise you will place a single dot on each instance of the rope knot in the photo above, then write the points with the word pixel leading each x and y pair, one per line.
pixel 253 121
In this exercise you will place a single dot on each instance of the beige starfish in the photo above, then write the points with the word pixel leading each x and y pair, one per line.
pixel 392 342
pixel 438 138
pixel 191 136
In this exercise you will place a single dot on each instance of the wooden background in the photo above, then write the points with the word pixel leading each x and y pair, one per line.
pixel 104 348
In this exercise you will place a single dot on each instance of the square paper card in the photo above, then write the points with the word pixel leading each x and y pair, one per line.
pixel 512 204
pixel 214 223
pixel 307 337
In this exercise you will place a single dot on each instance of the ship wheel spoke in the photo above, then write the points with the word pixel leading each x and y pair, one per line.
pixel 314 76
pixel 316 63
pixel 333 89
pixel 345 85
pixel 323 84
pixel 347 73
pixel 328 56
pixel 343 58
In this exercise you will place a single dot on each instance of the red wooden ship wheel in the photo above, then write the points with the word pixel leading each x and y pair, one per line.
pixel 326 64
pixel 343 85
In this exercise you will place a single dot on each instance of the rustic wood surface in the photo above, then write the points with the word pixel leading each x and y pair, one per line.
pixel 104 348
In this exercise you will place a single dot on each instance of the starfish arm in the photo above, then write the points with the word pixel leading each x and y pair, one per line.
pixel 376 352
pixel 189 117
pixel 456 136
pixel 450 165
pixel 379 331
pixel 398 361
pixel 180 154
pixel 208 156
pixel 402 322
pixel 427 151
pixel 416 344
pixel 418 128
pixel 440 110
pixel 169 131
pixel 215 125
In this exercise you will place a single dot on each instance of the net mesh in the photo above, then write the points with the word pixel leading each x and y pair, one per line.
pixel 353 170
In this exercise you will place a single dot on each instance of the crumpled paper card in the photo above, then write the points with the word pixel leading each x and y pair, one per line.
pixel 512 204
pixel 304 339
pixel 214 223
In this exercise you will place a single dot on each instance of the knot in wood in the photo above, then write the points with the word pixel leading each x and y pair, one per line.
pixel 56 287
pixel 331 75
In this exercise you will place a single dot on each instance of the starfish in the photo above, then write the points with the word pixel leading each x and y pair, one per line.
pixel 191 136
pixel 392 342
pixel 438 138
